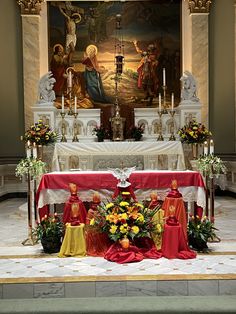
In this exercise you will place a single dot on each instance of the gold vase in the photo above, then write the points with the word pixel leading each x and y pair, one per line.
pixel 195 150
pixel 40 152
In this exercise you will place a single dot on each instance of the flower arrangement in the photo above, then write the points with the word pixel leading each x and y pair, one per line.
pixel 40 134
pixel 211 165
pixel 136 132
pixel 200 231
pixel 49 227
pixel 123 218
pixel 194 132
pixel 34 167
pixel 101 133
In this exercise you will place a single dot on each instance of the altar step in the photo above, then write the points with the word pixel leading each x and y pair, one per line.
pixel 124 286
pixel 121 305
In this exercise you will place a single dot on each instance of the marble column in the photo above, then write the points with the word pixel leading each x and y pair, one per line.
pixel 195 46
pixel 235 70
pixel 33 35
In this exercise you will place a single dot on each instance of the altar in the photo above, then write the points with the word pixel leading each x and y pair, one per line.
pixel 158 155
pixel 54 187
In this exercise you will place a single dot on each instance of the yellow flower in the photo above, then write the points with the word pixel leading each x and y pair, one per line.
pixel 92 222
pixel 113 229
pixel 109 205
pixel 123 228
pixel 139 205
pixel 124 204
pixel 135 229
pixel 140 217
pixel 123 216
pixel 159 228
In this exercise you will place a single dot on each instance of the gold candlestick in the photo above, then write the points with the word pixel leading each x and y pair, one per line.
pixel 63 127
pixel 70 110
pixel 160 136
pixel 172 126
pixel 75 129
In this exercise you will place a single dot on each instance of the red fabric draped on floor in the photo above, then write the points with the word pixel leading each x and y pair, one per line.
pixel 174 246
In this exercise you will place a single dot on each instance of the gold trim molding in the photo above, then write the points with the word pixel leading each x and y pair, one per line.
pixel 199 6
pixel 30 6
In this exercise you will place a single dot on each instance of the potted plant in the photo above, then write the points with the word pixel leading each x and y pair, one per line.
pixel 200 231
pixel 136 132
pixel 101 133
pixel 50 231
pixel 40 134
pixel 194 133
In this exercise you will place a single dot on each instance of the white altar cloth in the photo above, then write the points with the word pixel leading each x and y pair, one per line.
pixel 100 155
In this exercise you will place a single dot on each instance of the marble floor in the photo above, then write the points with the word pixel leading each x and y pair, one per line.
pixel 19 263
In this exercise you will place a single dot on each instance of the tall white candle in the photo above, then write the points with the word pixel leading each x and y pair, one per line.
pixel 164 77
pixel 28 150
pixel 75 104
pixel 172 101
pixel 70 79
pixel 62 104
pixel 211 147
pixel 159 101
pixel 205 148
pixel 34 150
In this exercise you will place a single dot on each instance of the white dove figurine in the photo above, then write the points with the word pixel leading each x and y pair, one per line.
pixel 122 174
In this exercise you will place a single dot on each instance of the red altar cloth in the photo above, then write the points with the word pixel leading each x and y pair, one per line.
pixel 174 243
pixel 87 180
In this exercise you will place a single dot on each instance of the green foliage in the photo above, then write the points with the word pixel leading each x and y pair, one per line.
pixel 136 132
pixel 32 166
pixel 194 132
pixel 40 134
pixel 101 132
pixel 210 165
pixel 201 229
pixel 49 226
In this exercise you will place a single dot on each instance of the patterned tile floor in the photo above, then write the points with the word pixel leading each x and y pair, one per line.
pixel 29 263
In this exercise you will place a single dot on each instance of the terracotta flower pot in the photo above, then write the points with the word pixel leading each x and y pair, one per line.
pixel 125 243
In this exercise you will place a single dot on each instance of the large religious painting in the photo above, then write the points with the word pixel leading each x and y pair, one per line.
pixel 86 36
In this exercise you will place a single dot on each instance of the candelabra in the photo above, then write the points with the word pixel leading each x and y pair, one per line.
pixel 75 128
pixel 172 126
pixel 117 122
pixel 31 239
pixel 63 127
pixel 160 136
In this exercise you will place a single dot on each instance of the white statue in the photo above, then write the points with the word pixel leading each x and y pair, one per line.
pixel 122 174
pixel 189 88
pixel 46 92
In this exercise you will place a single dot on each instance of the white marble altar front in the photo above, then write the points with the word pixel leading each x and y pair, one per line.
pixel 100 155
